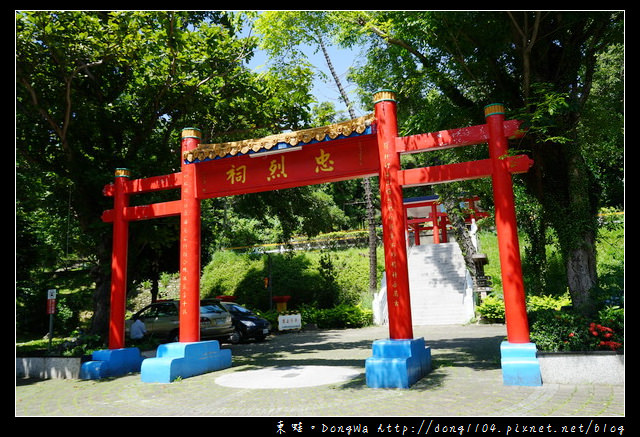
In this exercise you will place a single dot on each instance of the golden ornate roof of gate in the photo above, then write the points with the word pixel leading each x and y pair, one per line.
pixel 332 131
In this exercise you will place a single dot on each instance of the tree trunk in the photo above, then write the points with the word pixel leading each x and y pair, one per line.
pixel 100 319
pixel 570 203
pixel 373 238
pixel 373 243
pixel 101 274
pixel 581 273
pixel 155 280
pixel 460 231
pixel 581 253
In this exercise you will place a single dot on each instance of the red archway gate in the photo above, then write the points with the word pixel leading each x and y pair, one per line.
pixel 366 146
pixel 438 219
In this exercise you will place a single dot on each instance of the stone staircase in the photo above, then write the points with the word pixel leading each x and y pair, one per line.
pixel 440 287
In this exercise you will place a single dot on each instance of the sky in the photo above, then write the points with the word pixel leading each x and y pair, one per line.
pixel 326 90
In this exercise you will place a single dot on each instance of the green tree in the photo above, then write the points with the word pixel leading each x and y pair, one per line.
pixel 541 65
pixel 288 32
pixel 101 90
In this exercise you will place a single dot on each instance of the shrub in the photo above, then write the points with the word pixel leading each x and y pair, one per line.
pixel 535 303
pixel 338 317
pixel 492 309
pixel 350 316
pixel 553 330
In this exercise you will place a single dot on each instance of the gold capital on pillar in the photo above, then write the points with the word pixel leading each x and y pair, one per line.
pixel 191 132
pixel 122 173
pixel 383 95
pixel 493 109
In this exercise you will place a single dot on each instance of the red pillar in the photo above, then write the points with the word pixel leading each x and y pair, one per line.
pixel 435 224
pixel 393 218
pixel 513 285
pixel 443 226
pixel 189 245
pixel 119 260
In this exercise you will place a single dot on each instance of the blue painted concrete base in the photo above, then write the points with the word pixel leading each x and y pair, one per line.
pixel 111 362
pixel 520 364
pixel 183 360
pixel 397 363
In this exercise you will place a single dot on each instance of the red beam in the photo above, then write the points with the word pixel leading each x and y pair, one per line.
pixel 446 139
pixel 459 172
pixel 155 183
pixel 155 210
pixel 316 163
pixel 144 212
pixel 417 221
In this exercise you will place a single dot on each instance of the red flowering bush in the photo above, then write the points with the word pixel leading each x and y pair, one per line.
pixel 553 330
pixel 606 334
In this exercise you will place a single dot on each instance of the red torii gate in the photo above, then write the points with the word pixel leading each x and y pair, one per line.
pixel 438 219
pixel 362 147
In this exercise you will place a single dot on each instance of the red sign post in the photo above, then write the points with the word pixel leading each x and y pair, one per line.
pixel 51 301
pixel 51 310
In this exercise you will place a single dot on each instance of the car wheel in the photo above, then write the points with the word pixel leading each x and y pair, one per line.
pixel 174 336
pixel 236 337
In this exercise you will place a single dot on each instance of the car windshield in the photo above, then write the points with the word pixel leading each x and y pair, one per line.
pixel 239 309
pixel 211 309
pixel 163 309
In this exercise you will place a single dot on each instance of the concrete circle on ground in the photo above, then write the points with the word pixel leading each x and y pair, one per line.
pixel 288 377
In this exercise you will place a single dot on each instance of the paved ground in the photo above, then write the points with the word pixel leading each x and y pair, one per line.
pixel 321 374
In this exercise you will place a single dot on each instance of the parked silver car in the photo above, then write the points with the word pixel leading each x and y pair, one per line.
pixel 161 320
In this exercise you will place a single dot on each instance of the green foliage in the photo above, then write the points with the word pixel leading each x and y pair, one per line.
pixel 611 257
pixel 601 132
pixel 328 283
pixel 543 109
pixel 77 345
pixel 553 330
pixel 546 275
pixel 554 326
pixel 537 303
pixel 98 90
pixel 321 279
pixel 271 217
pixel 491 309
pixel 338 317
pixel 83 344
pixel 341 316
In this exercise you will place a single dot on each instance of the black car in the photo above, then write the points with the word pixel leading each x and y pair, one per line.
pixel 247 324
